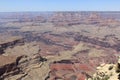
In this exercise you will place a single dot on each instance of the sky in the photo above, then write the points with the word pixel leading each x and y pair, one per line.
pixel 59 5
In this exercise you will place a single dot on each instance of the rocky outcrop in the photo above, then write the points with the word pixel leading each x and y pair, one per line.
pixel 107 72
pixel 9 66
pixel 20 67
pixel 11 43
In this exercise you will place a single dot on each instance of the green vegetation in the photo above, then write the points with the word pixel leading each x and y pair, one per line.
pixel 118 68
pixel 106 77
pixel 110 68
pixel 101 76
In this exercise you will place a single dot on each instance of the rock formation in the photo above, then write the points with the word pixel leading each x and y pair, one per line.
pixel 58 45
pixel 10 43
pixel 107 72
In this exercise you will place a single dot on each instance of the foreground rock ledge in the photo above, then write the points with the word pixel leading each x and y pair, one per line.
pixel 8 65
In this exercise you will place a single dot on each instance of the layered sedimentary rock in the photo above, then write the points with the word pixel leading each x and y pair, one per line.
pixel 69 19
pixel 83 66
pixel 9 65
pixel 98 42
pixel 62 45
pixel 107 72
pixel 10 42
pixel 20 61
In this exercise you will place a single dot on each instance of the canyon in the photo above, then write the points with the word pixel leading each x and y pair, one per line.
pixel 57 45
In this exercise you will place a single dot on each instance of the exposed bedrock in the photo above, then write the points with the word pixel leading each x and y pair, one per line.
pixel 12 43
pixel 9 65
pixel 97 42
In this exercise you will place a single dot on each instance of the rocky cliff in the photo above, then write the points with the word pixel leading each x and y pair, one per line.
pixel 11 42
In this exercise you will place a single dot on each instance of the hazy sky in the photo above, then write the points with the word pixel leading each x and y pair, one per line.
pixel 59 5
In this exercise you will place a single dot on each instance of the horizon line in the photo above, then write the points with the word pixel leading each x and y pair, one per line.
pixel 64 11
